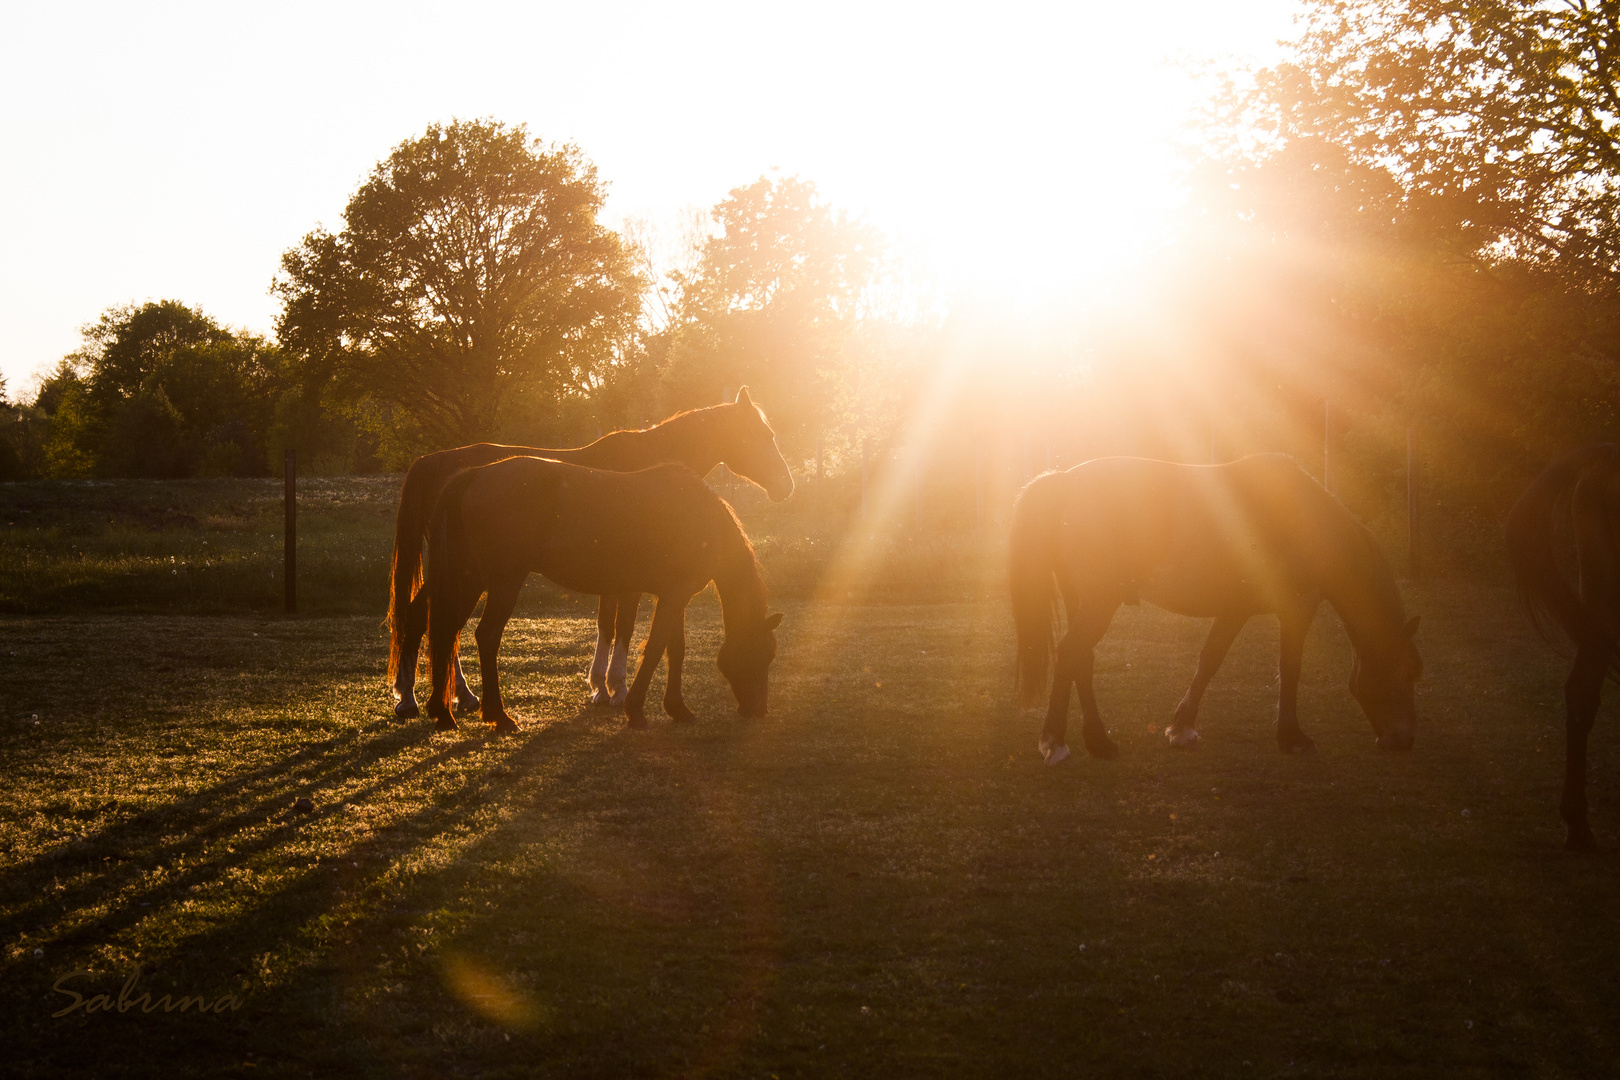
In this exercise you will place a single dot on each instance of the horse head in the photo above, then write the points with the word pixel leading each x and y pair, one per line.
pixel 751 448
pixel 745 660
pixel 1385 686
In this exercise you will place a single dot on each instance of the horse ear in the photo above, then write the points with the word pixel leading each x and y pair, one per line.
pixel 774 621
pixel 1411 627
pixel 743 398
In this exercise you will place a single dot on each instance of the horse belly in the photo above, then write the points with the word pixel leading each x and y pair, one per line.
pixel 1203 597
pixel 591 572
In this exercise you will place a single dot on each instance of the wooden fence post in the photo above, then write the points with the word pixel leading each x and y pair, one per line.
pixel 922 473
pixel 866 446
pixel 1414 564
pixel 289 513
pixel 1329 480
pixel 978 487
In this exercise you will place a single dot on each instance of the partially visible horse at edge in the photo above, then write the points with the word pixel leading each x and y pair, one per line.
pixel 660 530
pixel 736 434
pixel 1577 498
pixel 1229 542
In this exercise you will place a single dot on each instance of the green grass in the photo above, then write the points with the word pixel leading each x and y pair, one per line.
pixel 879 878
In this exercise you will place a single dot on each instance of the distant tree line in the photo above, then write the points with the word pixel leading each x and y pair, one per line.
pixel 1413 217
pixel 472 293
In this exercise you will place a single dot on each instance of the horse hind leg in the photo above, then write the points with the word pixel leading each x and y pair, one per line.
pixel 606 607
pixel 444 628
pixel 1183 729
pixel 498 607
pixel 1582 693
pixel 466 700
pixel 1294 626
pixel 625 630
pixel 413 614
pixel 1073 664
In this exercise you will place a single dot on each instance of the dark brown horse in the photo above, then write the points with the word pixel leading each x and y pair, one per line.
pixel 660 531
pixel 1568 520
pixel 1228 542
pixel 736 434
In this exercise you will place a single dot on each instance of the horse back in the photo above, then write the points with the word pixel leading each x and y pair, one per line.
pixel 594 530
pixel 1202 539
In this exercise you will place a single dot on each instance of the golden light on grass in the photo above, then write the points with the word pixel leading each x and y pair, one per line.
pixel 486 993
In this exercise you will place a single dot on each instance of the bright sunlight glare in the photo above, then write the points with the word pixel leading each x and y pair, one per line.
pixel 176 150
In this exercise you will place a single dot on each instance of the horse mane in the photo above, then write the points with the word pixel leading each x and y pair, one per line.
pixel 742 558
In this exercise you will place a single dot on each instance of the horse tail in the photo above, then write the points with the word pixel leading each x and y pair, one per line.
pixel 1531 531
pixel 1031 554
pixel 405 571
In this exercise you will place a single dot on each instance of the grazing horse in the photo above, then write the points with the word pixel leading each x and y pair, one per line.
pixel 1228 542
pixel 736 434
pixel 660 530
pixel 1577 498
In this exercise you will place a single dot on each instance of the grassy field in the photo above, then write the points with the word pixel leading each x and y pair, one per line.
pixel 880 877
pixel 215 547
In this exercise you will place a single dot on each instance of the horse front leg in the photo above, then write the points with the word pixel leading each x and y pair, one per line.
pixel 606 606
pixel 668 610
pixel 624 631
pixel 1072 664
pixel 674 703
pixel 1295 625
pixel 1183 729
pixel 1583 692
pixel 503 596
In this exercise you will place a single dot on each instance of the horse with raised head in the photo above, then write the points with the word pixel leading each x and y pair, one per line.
pixel 736 434
pixel 660 531
pixel 1567 523
pixel 1229 542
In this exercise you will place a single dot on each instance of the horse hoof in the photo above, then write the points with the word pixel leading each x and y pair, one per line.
pixel 1301 745
pixel 1580 840
pixel 505 726
pixel 618 698
pixel 445 723
pixel 601 697
pixel 1101 746
pixel 1053 753
pixel 1186 738
pixel 406 710
pixel 681 716
pixel 467 704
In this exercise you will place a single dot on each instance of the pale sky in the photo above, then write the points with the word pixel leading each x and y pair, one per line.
pixel 174 151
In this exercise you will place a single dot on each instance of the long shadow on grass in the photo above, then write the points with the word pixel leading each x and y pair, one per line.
pixel 192 823
pixel 325 923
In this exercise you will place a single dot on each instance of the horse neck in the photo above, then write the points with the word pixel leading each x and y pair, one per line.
pixel 742 591
pixel 1361 587
pixel 690 439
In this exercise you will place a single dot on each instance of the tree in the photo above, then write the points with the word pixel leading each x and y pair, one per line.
pixel 160 390
pixel 774 299
pixel 471 287
pixel 1417 218
pixel 1500 119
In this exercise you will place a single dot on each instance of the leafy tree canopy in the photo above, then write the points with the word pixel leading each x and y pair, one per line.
pixel 471 285
pixel 160 389
pixel 771 304
pixel 1499 119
